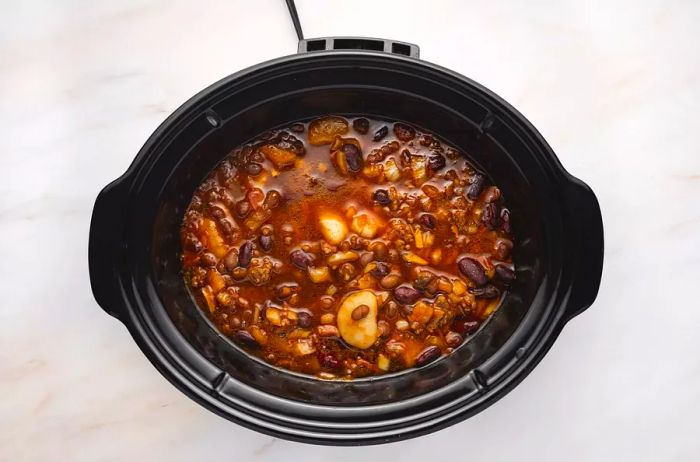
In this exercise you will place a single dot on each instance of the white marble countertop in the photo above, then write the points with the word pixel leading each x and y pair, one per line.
pixel 614 86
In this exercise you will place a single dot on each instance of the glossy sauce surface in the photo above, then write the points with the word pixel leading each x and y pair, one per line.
pixel 347 247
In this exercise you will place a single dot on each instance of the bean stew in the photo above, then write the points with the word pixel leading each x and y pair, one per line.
pixel 346 248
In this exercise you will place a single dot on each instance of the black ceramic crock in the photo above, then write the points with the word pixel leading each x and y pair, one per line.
pixel 134 244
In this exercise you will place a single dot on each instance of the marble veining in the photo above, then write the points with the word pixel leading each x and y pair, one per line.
pixel 614 86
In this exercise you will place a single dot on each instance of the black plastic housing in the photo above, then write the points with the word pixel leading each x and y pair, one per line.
pixel 134 243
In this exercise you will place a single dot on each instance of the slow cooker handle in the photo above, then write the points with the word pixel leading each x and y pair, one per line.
pixel 358 43
pixel 588 238
pixel 105 243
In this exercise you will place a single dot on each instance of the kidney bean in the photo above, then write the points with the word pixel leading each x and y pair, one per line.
pixel 381 196
pixel 353 157
pixel 492 194
pixel 245 338
pixel 193 244
pixel 486 292
pixel 265 243
pixel 404 132
pixel 304 319
pixel 245 254
pixel 207 259
pixel 503 247
pixel 428 355
pixel 361 125
pixel 476 186
pixel 359 312
pixel 301 259
pixel 473 270
pixel 381 133
pixel 297 128
pixel 505 274
pixel 464 327
pixel 406 295
pixel 490 215
pixel 328 361
pixel 505 220
pixel 436 162
pixel 272 199
pixel 380 270
pixel 427 220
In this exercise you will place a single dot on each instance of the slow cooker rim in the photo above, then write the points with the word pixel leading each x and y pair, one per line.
pixel 144 339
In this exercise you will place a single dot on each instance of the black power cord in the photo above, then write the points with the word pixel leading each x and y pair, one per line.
pixel 295 18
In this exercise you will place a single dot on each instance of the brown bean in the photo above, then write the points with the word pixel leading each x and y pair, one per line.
pixel 326 302
pixel 216 212
pixel 353 157
pixel 395 348
pixel 381 133
pixel 473 270
pixel 359 312
pixel 427 220
pixel 503 247
pixel 301 259
pixel 272 199
pixel 347 271
pixel 361 125
pixel 231 259
pixel 207 259
pixel 380 250
pixel 244 338
pixel 366 258
pixel 391 309
pixel 390 281
pixel 404 132
pixel 304 319
pixel 453 339
pixel 485 292
pixel 505 274
pixel 381 196
pixel 253 169
pixel 242 208
pixel 428 355
pixel 490 216
pixel 406 295
pixel 384 328
pixel 245 254
pixel 423 279
pixel 436 162
pixel 226 226
pixel 327 331
pixel 477 185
